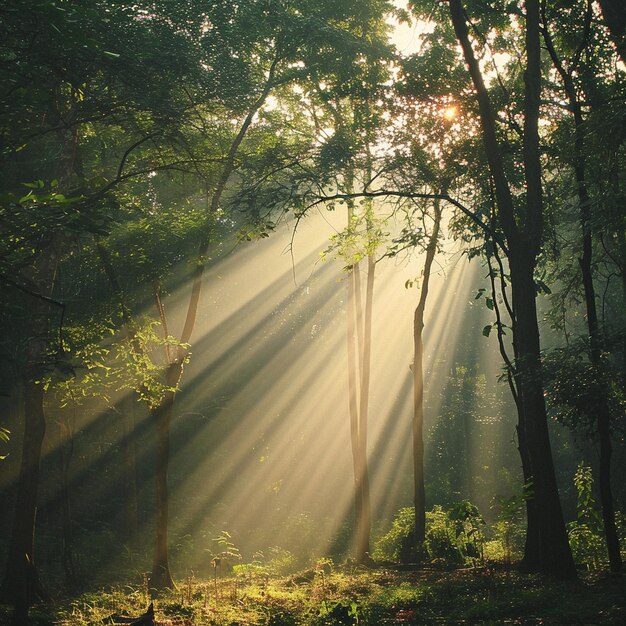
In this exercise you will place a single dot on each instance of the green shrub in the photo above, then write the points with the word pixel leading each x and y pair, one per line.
pixel 454 536
pixel 586 533
pixel 343 613
pixel 390 545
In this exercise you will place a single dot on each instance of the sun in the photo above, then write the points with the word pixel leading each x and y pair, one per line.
pixel 450 112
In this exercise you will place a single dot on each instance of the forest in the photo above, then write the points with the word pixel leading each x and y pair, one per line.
pixel 313 312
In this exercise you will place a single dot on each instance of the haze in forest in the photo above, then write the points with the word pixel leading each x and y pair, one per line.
pixel 321 287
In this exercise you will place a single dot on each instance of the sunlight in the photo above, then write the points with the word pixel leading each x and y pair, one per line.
pixel 280 439
pixel 450 112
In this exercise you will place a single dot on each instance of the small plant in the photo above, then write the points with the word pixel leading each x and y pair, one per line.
pixel 441 537
pixel 391 545
pixel 585 534
pixel 508 517
pixel 229 551
pixel 468 526
pixel 343 613
pixel 4 437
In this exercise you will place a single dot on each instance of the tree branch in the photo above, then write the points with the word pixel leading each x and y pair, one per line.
pixel 414 195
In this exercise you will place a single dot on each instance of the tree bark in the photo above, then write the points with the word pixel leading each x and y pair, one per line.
pixel 21 585
pixel 365 514
pixel 555 554
pixel 358 341
pixel 161 577
pixel 131 507
pixel 353 406
pixel 419 492
pixel 524 242
pixel 66 451
pixel 603 416
pixel 614 14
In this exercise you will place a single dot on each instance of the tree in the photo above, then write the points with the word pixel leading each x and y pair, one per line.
pixel 567 70
pixel 67 89
pixel 522 225
pixel 277 41
pixel 614 15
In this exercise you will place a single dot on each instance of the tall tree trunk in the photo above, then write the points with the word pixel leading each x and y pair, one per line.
pixel 161 577
pixel 532 545
pixel 21 585
pixel 353 405
pixel 364 527
pixel 419 493
pixel 614 14
pixel 66 451
pixel 603 416
pixel 555 554
pixel 524 242
pixel 129 444
pixel 358 345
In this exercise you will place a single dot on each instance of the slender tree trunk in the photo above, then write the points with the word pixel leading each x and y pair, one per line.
pixel 66 451
pixel 161 577
pixel 532 546
pixel 364 514
pixel 603 416
pixel 358 344
pixel 21 585
pixel 353 392
pixel 131 508
pixel 419 492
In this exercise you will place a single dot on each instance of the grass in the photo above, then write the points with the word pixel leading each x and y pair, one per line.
pixel 355 596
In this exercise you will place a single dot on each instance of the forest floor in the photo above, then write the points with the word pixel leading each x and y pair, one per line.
pixel 356 596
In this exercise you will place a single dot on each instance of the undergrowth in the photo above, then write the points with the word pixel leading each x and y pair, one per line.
pixel 352 596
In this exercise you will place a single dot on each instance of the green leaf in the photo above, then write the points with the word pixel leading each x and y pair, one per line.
pixel 489 303
pixel 487 330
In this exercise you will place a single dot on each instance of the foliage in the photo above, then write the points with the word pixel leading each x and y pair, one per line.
pixel 4 437
pixel 390 545
pixel 103 364
pixel 367 598
pixel 453 535
pixel 507 525
pixel 575 387
pixel 228 551
pixel 586 533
